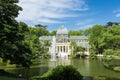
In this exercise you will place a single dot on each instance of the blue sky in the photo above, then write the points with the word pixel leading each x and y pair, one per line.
pixel 73 14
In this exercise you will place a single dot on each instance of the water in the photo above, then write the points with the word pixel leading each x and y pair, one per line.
pixel 84 66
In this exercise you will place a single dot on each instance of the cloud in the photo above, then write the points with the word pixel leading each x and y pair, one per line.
pixel 88 26
pixel 50 11
pixel 84 24
pixel 117 12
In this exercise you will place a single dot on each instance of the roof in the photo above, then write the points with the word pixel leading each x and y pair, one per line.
pixel 62 30
pixel 77 37
pixel 45 38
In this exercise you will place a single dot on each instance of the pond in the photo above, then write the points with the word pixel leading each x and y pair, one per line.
pixel 85 66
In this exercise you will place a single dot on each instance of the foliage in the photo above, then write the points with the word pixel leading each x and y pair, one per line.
pixel 32 38
pixel 45 48
pixel 112 24
pixel 80 49
pixel 95 38
pixel 93 56
pixel 112 35
pixel 111 59
pixel 73 47
pixel 12 35
pixel 80 52
pixel 74 33
pixel 61 73
pixel 100 38
pixel 53 33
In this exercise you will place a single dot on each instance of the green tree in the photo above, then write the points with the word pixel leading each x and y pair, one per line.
pixel 12 46
pixel 73 47
pixel 41 26
pixel 95 38
pixel 111 37
pixel 53 33
pixel 45 48
pixel 112 24
pixel 74 33
pixel 32 38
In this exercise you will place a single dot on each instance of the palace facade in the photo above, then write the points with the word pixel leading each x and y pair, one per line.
pixel 63 40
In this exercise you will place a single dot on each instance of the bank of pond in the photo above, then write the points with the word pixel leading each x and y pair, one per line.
pixel 83 69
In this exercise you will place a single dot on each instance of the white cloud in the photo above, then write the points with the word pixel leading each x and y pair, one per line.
pixel 84 22
pixel 117 12
pixel 118 15
pixel 47 11
pixel 86 26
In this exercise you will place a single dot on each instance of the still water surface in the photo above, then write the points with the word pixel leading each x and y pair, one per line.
pixel 84 66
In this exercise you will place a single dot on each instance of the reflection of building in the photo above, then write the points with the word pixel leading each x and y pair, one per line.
pixel 63 41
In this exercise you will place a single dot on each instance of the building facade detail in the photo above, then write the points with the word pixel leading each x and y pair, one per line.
pixel 63 41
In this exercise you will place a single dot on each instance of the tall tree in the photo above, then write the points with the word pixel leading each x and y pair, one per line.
pixel 12 43
pixel 112 24
pixel 95 38
pixel 41 26
pixel 111 37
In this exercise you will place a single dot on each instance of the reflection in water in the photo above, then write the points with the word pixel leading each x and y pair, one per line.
pixel 84 66
pixel 63 61
pixel 52 64
pixel 59 61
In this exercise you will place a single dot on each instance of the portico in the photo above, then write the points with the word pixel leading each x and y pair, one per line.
pixel 63 48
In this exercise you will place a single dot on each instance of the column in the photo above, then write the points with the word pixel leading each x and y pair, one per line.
pixel 55 49
pixel 58 49
pixel 68 50
pixel 61 49
pixel 65 49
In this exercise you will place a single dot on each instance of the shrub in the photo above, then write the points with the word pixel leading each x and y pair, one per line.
pixel 93 56
pixel 61 73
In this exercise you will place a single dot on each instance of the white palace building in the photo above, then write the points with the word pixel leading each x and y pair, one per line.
pixel 63 40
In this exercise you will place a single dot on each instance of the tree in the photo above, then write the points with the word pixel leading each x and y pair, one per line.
pixel 32 38
pixel 45 48
pixel 95 38
pixel 80 49
pixel 53 33
pixel 74 33
pixel 112 24
pixel 41 26
pixel 73 47
pixel 12 46
pixel 112 35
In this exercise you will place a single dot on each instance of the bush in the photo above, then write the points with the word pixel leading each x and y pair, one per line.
pixel 93 56
pixel 60 73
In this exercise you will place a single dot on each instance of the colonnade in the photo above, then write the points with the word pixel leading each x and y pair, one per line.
pixel 62 49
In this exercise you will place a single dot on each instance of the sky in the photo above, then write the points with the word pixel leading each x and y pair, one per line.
pixel 73 14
